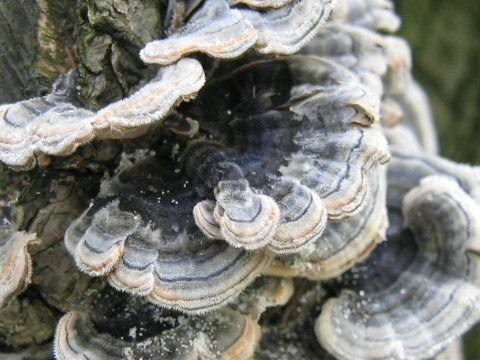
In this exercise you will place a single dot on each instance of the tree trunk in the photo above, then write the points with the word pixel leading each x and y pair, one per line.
pixel 39 41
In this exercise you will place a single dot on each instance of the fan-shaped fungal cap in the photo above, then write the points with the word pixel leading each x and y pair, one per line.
pixel 54 126
pixel 15 263
pixel 306 143
pixel 343 243
pixel 372 14
pixel 419 290
pixel 240 216
pixel 75 339
pixel 260 4
pixel 303 215
pixel 222 32
pixel 150 104
pixel 249 220
pixel 214 29
pixel 407 169
pixel 141 233
pixel 288 29
pixel 223 335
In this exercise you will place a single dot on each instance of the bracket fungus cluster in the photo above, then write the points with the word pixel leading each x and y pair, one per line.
pixel 54 125
pixel 222 31
pixel 298 196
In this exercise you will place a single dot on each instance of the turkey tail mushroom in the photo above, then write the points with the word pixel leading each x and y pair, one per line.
pixel 290 159
pixel 247 220
pixel 15 263
pixel 343 243
pixel 303 216
pixel 54 126
pixel 223 335
pixel 214 29
pixel 419 290
pixel 140 233
pixel 223 32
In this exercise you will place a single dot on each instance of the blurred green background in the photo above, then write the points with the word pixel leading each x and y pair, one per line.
pixel 445 39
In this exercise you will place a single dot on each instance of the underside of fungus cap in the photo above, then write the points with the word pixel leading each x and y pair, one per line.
pixel 53 125
pixel 122 327
pixel 264 293
pixel 343 243
pixel 417 291
pixel 222 31
pixel 140 232
pixel 15 263
pixel 287 332
pixel 290 155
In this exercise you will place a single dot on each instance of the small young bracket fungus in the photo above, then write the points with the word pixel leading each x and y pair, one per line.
pixel 419 290
pixel 223 335
pixel 343 243
pixel 378 15
pixel 299 151
pixel 140 232
pixel 53 125
pixel 264 293
pixel 225 33
pixel 76 339
pixel 15 263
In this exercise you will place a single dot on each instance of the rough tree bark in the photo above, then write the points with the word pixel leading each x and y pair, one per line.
pixel 39 41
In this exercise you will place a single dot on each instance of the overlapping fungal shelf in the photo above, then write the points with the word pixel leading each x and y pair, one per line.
pixel 53 125
pixel 413 309
pixel 222 31
pixel 343 242
pixel 295 209
pixel 301 186
pixel 141 233
pixel 152 332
